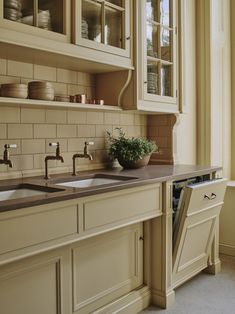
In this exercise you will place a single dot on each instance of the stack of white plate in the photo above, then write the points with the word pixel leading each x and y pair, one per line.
pixel 12 9
pixel 44 19
pixel 84 29
pixel 14 90
pixel 152 79
pixel 41 90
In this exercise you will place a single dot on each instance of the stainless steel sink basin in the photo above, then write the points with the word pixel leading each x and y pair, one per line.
pixel 24 190
pixel 95 180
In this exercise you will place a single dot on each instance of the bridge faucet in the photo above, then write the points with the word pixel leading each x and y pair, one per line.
pixel 6 156
pixel 57 156
pixel 84 155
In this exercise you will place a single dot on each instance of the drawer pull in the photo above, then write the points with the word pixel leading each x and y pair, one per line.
pixel 210 198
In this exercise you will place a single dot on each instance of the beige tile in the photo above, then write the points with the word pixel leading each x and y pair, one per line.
pixel 9 79
pixel 100 156
pixel 33 115
pixel 66 76
pixel 111 118
pixel 127 119
pixel 9 115
pixel 100 130
pixel 65 131
pixel 20 131
pixel 3 131
pixel 88 79
pixel 143 131
pixel 76 89
pixel 34 146
pixel 76 117
pixel 90 92
pixel 80 78
pixel 140 119
pixel 22 69
pixel 63 145
pixel 76 144
pixel 44 130
pixel 42 72
pixel 134 131
pixel 94 117
pixel 13 151
pixel 60 88
pixel 3 66
pixel 99 143
pixel 22 162
pixel 86 131
pixel 56 116
pixel 39 162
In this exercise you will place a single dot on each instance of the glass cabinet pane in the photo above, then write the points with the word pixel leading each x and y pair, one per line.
pixel 113 27
pixel 47 15
pixel 50 15
pixel 166 80
pixel 152 11
pixel 166 44
pixel 153 78
pixel 165 12
pixel 92 21
pixel 116 2
pixel 152 40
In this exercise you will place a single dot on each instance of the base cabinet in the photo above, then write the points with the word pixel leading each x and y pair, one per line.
pixel 106 268
pixel 36 285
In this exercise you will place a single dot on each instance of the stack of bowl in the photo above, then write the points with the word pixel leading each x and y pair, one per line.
pixel 14 90
pixel 12 9
pixel 41 90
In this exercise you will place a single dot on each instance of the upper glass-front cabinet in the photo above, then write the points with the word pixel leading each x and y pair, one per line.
pixel 46 15
pixel 159 50
pixel 103 25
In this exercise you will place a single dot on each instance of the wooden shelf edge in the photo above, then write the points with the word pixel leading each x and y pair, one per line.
pixel 7 101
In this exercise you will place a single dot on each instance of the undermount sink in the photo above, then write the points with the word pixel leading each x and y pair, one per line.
pixel 95 180
pixel 25 190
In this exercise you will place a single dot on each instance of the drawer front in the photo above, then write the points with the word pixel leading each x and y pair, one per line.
pixel 126 206
pixel 27 230
pixel 205 195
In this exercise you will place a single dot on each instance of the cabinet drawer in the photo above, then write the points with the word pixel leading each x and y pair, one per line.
pixel 123 206
pixel 35 228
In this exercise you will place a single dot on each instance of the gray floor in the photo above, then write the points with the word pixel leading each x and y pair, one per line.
pixel 205 294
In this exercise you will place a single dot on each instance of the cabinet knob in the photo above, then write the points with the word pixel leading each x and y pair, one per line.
pixel 128 38
pixel 145 82
pixel 210 198
pixel 141 238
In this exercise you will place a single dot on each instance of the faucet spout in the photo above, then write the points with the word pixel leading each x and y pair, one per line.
pixel 57 156
pixel 84 155
pixel 6 156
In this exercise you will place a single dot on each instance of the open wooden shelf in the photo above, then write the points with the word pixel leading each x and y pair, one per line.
pixel 54 104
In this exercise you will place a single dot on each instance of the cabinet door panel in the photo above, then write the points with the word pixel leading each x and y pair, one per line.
pixel 195 227
pixel 106 268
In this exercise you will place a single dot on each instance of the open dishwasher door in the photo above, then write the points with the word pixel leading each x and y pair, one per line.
pixel 194 230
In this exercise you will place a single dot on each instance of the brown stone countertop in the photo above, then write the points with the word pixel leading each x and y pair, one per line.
pixel 132 178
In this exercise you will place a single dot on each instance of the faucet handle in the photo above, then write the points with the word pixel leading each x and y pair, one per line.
pixel 6 146
pixel 89 143
pixel 57 144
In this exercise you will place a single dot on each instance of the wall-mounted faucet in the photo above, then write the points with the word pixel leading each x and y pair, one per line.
pixel 6 156
pixel 56 157
pixel 84 155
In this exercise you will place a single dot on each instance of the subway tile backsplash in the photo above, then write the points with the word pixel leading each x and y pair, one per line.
pixel 33 128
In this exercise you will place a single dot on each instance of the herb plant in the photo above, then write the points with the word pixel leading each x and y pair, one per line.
pixel 129 149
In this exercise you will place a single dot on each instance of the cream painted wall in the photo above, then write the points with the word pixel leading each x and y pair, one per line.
pixel 185 129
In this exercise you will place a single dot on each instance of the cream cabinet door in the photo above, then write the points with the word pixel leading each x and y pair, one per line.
pixel 195 228
pixel 106 267
pixel 34 285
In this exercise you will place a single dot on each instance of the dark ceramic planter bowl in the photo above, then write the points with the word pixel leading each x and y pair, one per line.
pixel 130 164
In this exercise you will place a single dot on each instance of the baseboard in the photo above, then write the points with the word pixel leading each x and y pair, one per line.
pixel 227 249
pixel 131 303
pixel 163 300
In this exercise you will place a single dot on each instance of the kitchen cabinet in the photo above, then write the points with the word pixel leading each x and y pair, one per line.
pixel 48 19
pixel 152 86
pixel 103 25
pixel 39 284
pixel 106 267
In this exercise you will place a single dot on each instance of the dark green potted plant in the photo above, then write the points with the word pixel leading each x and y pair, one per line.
pixel 131 152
